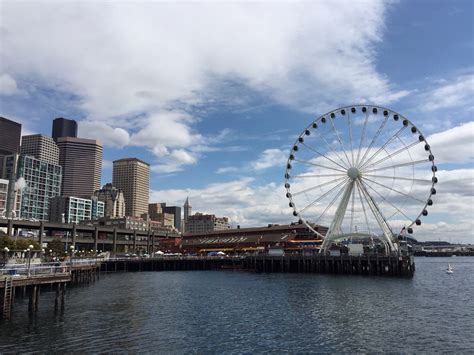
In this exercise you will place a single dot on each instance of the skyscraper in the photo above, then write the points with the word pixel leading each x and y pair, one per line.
pixel 62 127
pixel 41 147
pixel 132 176
pixel 10 135
pixel 81 160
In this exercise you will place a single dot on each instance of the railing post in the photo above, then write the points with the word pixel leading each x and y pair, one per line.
pixel 148 242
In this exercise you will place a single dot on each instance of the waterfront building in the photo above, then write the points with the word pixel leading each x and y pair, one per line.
pixel 81 160
pixel 132 176
pixel 42 181
pixel 62 127
pixel 287 238
pixel 70 209
pixel 3 199
pixel 41 147
pixel 204 223
pixel 113 200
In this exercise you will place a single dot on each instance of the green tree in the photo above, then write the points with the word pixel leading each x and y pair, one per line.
pixel 56 246
pixel 6 241
pixel 24 243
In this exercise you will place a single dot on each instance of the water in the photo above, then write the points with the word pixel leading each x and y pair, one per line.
pixel 239 312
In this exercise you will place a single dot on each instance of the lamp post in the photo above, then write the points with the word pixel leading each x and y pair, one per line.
pixel 30 248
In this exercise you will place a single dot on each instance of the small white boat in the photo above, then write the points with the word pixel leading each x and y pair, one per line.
pixel 449 270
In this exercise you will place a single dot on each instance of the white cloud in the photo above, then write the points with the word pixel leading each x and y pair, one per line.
pixel 456 145
pixel 141 66
pixel 456 93
pixel 107 135
pixel 174 161
pixel 227 169
pixel 8 85
pixel 270 158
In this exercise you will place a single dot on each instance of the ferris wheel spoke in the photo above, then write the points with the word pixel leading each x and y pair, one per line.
pixel 318 165
pixel 317 186
pixel 316 175
pixel 330 205
pixel 382 147
pixel 331 149
pixel 391 155
pixel 387 201
pixel 340 141
pixel 397 165
pixel 363 209
pixel 324 195
pixel 377 212
pixel 350 137
pixel 395 190
pixel 362 138
pixel 382 125
pixel 352 210
pixel 324 156
pixel 398 178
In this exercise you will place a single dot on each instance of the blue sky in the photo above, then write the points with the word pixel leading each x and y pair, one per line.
pixel 213 95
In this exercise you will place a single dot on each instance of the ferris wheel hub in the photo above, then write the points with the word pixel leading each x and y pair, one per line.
pixel 353 173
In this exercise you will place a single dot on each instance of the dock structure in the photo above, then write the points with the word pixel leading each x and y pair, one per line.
pixel 28 282
pixel 396 266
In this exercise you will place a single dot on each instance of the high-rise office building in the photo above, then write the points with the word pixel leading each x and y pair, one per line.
pixel 113 200
pixel 62 127
pixel 42 181
pixel 81 160
pixel 132 176
pixel 187 209
pixel 10 135
pixel 41 147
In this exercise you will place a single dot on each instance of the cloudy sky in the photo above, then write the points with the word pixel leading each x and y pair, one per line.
pixel 213 95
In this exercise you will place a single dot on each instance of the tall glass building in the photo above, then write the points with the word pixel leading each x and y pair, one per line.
pixel 42 181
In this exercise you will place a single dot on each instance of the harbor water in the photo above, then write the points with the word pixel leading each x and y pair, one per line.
pixel 243 312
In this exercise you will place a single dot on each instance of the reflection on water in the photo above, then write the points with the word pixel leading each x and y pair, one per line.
pixel 214 311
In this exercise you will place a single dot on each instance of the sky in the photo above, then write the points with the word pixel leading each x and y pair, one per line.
pixel 214 94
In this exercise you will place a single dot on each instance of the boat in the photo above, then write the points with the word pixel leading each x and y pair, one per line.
pixel 449 270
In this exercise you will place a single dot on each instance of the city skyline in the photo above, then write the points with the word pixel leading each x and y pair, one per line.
pixel 219 128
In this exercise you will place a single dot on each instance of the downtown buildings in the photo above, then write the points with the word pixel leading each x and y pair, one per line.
pixel 132 176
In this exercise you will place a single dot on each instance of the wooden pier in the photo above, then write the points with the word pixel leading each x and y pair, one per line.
pixel 54 278
pixel 397 266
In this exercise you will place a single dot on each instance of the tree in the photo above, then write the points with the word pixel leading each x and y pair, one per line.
pixel 56 246
pixel 24 243
pixel 6 241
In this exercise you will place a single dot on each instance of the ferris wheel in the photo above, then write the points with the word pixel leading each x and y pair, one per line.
pixel 363 171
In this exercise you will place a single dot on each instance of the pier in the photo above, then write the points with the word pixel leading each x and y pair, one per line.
pixel 29 282
pixel 396 266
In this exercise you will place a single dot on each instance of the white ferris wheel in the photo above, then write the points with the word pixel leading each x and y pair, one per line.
pixel 363 171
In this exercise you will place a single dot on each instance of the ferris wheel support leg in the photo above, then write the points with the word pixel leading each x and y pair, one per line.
pixel 335 228
pixel 387 232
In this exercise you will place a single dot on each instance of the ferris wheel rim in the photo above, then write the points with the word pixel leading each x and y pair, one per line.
pixel 362 162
